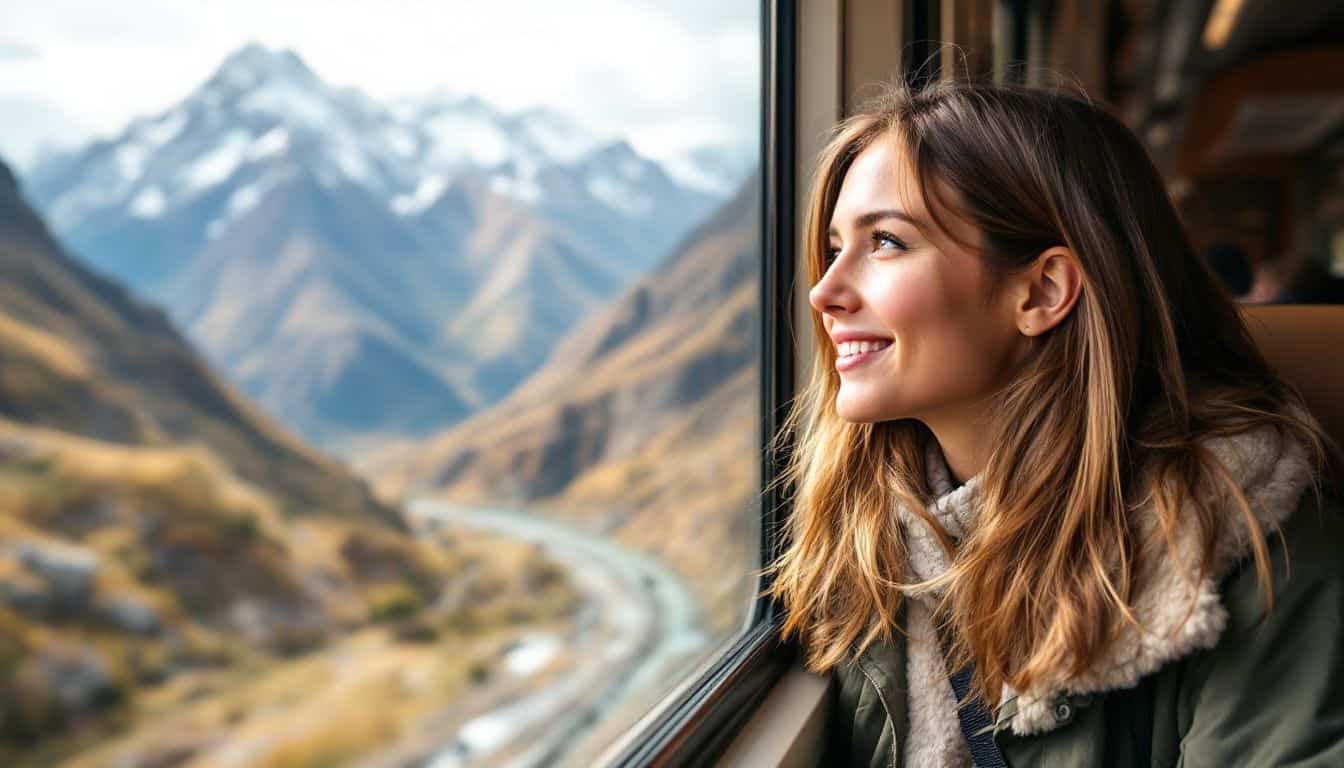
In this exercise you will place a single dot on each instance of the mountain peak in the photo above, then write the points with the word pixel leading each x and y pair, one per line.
pixel 255 62
pixel 618 149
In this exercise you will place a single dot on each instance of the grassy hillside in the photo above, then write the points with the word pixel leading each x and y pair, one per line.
pixel 81 355
pixel 159 535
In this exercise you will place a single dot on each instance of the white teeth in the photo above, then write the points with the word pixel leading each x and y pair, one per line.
pixel 848 348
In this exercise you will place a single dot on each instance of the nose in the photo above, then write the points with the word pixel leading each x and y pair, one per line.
pixel 832 295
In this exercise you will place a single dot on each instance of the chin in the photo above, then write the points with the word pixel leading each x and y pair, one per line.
pixel 858 412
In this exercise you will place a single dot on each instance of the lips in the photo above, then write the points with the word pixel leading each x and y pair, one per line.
pixel 839 337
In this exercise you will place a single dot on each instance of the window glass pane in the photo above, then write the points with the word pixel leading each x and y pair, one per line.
pixel 378 381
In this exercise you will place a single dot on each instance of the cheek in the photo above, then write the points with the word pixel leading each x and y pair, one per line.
pixel 948 343
pixel 907 298
pixel 919 307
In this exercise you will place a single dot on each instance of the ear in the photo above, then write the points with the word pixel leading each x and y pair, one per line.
pixel 1048 290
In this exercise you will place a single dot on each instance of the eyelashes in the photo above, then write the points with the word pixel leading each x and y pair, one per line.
pixel 881 237
pixel 881 240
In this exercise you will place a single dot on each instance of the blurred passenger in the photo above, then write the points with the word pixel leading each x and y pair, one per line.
pixel 1313 284
pixel 1293 281
pixel 1040 468
pixel 1229 262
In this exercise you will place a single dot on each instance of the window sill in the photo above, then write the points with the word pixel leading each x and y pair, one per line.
pixel 786 729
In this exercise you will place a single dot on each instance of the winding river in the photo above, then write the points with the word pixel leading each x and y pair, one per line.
pixel 637 624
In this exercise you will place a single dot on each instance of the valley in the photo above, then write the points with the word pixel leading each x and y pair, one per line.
pixel 274 361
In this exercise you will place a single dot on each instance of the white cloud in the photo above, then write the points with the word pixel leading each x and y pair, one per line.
pixel 631 68
pixel 29 126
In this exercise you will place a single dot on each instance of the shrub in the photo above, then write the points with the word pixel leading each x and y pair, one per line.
pixel 393 602
pixel 480 672
pixel 416 630
pixel 296 639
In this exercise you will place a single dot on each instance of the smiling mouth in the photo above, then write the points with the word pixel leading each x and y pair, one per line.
pixel 853 353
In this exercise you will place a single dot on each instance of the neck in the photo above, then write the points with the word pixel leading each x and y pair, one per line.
pixel 962 440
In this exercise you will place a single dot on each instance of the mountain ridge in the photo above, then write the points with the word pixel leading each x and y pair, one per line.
pixel 205 207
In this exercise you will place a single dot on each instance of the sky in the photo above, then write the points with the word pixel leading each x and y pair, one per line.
pixel 666 75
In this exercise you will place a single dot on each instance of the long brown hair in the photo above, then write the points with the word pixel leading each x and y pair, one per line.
pixel 1153 360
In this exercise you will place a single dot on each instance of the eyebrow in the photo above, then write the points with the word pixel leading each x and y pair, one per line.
pixel 872 217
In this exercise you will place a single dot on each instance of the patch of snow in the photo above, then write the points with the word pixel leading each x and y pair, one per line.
pixel 149 204
pixel 218 164
pixel 461 138
pixel 557 136
pixel 532 655
pixel 526 165
pixel 130 160
pixel 620 197
pixel 292 104
pixel 424 196
pixel 244 199
pixel 273 142
pixel 522 189
pixel 486 733
pixel 405 110
pixel 165 129
pixel 688 173
pixel 350 159
pixel 401 141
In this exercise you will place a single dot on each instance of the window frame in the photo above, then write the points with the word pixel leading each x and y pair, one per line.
pixel 696 723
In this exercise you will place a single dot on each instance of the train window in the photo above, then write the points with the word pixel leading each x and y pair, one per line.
pixel 379 384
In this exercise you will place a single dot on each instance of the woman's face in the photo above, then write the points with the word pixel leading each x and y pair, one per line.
pixel 908 309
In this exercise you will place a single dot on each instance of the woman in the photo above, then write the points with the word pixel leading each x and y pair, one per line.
pixel 1039 450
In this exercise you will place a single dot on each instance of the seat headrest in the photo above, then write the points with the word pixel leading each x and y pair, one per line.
pixel 1305 345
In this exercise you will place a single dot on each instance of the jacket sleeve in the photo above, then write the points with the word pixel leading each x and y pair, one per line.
pixel 1272 691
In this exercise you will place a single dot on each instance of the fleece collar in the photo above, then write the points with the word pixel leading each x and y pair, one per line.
pixel 1274 471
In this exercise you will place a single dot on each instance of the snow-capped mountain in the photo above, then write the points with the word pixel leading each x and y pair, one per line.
pixel 141 204
pixel 715 170
pixel 264 115
pixel 352 225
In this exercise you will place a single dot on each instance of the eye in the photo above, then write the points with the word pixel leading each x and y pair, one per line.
pixel 832 253
pixel 886 240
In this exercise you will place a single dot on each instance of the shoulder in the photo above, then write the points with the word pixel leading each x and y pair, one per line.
pixel 1272 690
pixel 1304 555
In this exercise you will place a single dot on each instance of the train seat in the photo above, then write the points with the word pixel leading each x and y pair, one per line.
pixel 1305 344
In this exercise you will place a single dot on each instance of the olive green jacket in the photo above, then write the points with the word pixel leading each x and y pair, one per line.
pixel 1270 692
